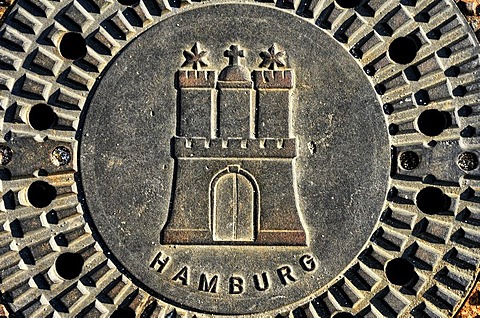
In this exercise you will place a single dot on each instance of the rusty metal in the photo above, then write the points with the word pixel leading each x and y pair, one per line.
pixel 4 312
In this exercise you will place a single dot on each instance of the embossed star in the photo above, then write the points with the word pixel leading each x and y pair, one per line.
pixel 273 58
pixel 195 57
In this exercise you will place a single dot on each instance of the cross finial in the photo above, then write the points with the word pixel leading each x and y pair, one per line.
pixel 234 54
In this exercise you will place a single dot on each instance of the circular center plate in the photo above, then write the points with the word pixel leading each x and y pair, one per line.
pixel 234 163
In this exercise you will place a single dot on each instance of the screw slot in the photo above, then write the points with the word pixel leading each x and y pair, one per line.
pixel 467 161
pixel 60 156
pixel 409 160
pixel 6 154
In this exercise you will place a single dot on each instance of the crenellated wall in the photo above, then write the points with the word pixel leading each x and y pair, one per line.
pixel 234 152
pixel 200 147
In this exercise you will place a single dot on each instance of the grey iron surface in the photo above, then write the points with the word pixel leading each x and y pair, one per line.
pixel 120 104
pixel 130 185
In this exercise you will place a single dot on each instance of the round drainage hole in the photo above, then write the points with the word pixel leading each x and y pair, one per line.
pixel 399 271
pixel 403 50
pixel 431 200
pixel 73 46
pixel 69 265
pixel 432 122
pixel 40 194
pixel 42 117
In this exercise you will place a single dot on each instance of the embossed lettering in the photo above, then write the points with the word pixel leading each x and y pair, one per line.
pixel 261 286
pixel 158 263
pixel 235 285
pixel 308 263
pixel 285 275
pixel 208 286
pixel 182 276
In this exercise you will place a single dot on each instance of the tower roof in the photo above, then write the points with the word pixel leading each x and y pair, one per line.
pixel 234 73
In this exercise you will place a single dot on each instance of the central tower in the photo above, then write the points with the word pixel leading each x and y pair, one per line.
pixel 235 99
pixel 234 154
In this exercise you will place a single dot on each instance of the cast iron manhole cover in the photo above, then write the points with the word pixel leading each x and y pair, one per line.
pixel 307 158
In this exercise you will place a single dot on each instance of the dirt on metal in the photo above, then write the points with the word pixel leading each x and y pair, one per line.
pixel 471 308
pixel 471 10
pixel 4 5
pixel 4 312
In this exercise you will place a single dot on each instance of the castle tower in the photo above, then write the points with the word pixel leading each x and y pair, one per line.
pixel 273 89
pixel 230 186
pixel 195 92
pixel 234 97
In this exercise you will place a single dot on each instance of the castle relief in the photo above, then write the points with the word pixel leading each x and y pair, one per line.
pixel 234 145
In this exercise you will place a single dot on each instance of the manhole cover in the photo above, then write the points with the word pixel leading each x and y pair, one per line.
pixel 309 158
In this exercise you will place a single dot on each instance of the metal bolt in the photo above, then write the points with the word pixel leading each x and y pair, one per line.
pixel 409 160
pixel 61 156
pixel 467 161
pixel 5 154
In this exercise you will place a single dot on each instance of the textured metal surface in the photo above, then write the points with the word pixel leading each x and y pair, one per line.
pixel 440 240
pixel 185 173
